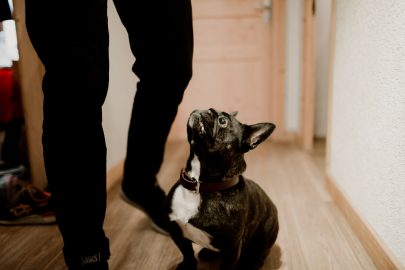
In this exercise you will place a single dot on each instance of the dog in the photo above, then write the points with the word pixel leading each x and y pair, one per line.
pixel 213 204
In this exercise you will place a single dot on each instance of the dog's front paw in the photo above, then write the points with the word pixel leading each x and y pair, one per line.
pixel 187 265
pixel 208 255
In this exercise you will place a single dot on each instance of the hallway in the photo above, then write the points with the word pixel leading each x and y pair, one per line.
pixel 313 233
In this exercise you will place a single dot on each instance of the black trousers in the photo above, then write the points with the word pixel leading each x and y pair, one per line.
pixel 71 39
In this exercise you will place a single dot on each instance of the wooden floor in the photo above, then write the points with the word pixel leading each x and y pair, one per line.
pixel 313 233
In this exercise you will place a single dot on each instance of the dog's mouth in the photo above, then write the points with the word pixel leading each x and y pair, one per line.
pixel 195 123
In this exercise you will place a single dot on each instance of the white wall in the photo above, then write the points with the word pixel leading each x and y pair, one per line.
pixel 367 139
pixel 293 58
pixel 122 87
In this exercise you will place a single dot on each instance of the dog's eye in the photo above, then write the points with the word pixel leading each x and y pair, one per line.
pixel 223 121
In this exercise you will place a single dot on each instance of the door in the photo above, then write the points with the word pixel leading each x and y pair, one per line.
pixel 238 62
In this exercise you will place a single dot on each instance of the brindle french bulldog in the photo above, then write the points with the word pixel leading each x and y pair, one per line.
pixel 212 204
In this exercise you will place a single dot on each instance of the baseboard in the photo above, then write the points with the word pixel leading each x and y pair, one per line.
pixel 377 251
pixel 114 174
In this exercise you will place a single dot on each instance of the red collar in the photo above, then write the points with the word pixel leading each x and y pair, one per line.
pixel 197 186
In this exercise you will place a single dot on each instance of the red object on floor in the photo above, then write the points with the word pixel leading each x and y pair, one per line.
pixel 10 102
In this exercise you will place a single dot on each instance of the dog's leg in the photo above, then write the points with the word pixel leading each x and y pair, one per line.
pixel 231 257
pixel 189 262
pixel 209 255
pixel 254 252
pixel 253 257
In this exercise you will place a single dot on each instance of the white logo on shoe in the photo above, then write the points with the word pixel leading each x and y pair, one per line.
pixel 21 209
pixel 91 259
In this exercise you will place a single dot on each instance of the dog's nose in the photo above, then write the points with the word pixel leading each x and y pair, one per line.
pixel 194 116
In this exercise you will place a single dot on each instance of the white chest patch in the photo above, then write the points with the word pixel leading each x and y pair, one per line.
pixel 185 205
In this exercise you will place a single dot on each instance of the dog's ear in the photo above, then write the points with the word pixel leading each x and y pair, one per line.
pixel 253 135
pixel 234 114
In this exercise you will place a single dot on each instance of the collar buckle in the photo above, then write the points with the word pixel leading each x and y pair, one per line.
pixel 197 187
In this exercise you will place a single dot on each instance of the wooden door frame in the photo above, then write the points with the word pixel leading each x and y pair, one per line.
pixel 277 56
pixel 307 132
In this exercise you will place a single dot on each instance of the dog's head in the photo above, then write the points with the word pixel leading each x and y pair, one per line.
pixel 219 141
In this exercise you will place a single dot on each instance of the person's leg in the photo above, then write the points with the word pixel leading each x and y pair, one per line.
pixel 71 39
pixel 161 39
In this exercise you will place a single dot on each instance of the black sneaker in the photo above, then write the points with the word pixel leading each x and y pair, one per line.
pixel 22 203
pixel 149 201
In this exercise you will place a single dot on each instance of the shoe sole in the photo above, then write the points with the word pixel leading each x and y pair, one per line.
pixel 137 206
pixel 30 220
